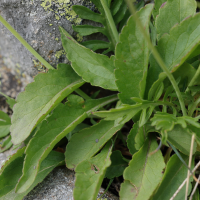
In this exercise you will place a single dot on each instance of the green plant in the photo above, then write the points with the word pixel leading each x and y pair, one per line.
pixel 156 72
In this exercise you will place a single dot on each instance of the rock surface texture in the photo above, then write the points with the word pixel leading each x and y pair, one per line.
pixel 59 185
pixel 37 21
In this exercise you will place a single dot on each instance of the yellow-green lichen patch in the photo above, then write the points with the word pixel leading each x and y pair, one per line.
pixel 59 53
pixel 79 38
pixel 57 17
pixel 56 39
pixel 61 8
pixel 39 66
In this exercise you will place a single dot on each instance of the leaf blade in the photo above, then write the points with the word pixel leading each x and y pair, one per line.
pixel 94 68
pixel 93 170
pixel 57 126
pixel 144 171
pixel 14 170
pixel 34 104
pixel 86 143
pixel 174 175
pixel 132 55
pixel 179 9
pixel 176 47
pixel 117 166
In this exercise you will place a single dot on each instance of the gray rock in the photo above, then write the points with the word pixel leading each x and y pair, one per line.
pixel 37 21
pixel 59 185
pixel 2 159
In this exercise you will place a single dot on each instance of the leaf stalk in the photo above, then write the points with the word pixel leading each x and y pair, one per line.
pixel 157 56
pixel 111 22
pixel 82 94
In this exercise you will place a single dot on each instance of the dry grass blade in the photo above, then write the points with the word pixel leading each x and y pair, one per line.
pixel 181 186
pixel 195 187
pixel 189 165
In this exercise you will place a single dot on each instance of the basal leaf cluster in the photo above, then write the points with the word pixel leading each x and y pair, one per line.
pixel 150 65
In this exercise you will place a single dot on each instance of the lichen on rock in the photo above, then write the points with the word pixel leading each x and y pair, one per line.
pixel 61 8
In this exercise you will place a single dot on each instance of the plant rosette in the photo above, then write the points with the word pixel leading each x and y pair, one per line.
pixel 152 66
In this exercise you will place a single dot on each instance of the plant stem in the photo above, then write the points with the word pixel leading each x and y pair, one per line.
pixel 157 56
pixel 110 182
pixel 18 36
pixel 110 22
pixel 195 77
pixel 82 94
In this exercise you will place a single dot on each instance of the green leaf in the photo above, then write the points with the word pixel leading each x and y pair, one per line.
pixel 163 121
pixel 140 137
pixel 153 33
pixel 181 138
pixel 176 47
pixel 131 138
pixel 78 128
pixel 40 98
pixel 124 20
pixel 185 71
pixel 19 153
pixel 126 112
pixel 5 123
pixel 118 164
pixel 145 171
pixel 155 86
pixel 86 13
pixel 132 58
pixel 196 195
pixel 4 117
pixel 121 12
pixel 6 144
pixel 159 92
pixel 158 4
pixel 88 142
pixel 174 175
pixel 10 101
pixel 90 174
pixel 52 130
pixel 13 171
pixel 102 18
pixel 84 30
pixel 94 68
pixel 127 191
pixel 10 175
pixel 4 130
pixel 116 6
pixel 95 44
pixel 173 12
